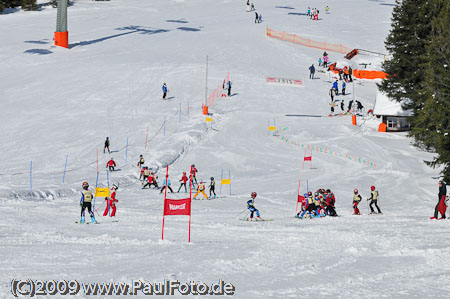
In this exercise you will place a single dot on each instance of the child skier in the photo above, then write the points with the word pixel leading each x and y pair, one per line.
pixel 151 180
pixel 229 82
pixel 194 174
pixel 111 164
pixel 320 61
pixel 141 161
pixel 342 105
pixel 168 186
pixel 330 201
pixel 111 202
pixel 86 202
pixel 356 200
pixel 251 207
pixel 106 145
pixel 164 90
pixel 344 85
pixel 145 173
pixel 183 181
pixel 373 200
pixel 201 189
pixel 212 187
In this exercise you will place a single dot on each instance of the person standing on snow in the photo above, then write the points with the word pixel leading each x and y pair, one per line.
pixel 251 207
pixel 342 105
pixel 330 202
pixel 256 17
pixel 441 207
pixel 350 72
pixel 326 9
pixel 373 200
pixel 332 94
pixel 194 174
pixel 111 202
pixel 106 145
pixel 164 90
pixel 141 161
pixel 145 173
pixel 86 202
pixel 212 188
pixel 111 164
pixel 183 181
pixel 308 12
pixel 201 189
pixel 325 61
pixel 168 186
pixel 332 106
pixel 344 85
pixel 312 70
pixel 356 200
pixel 229 88
pixel 335 87
pixel 320 61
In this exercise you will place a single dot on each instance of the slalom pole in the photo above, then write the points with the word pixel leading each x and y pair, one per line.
pixel 126 152
pixel 31 175
pixel 146 139
pixel 65 166
pixel 107 180
pixel 229 177
pixel 96 184
pixel 221 177
pixel 164 132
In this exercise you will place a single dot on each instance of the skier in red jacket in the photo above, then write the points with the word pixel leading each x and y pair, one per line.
pixel 111 164
pixel 183 181
pixel 111 202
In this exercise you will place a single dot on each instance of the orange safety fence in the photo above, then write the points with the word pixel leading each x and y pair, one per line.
pixel 363 74
pixel 293 38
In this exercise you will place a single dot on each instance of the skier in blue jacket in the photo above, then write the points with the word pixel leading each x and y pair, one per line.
pixel 335 87
pixel 344 85
pixel 251 207
pixel 164 89
pixel 164 186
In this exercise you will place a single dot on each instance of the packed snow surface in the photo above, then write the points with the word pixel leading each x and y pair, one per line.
pixel 58 103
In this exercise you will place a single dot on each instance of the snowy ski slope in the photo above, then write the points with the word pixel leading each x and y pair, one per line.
pixel 57 102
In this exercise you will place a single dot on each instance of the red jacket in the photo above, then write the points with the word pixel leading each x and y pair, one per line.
pixel 184 178
pixel 111 163
pixel 194 171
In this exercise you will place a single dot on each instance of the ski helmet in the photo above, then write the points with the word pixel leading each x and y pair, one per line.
pixel 328 191
pixel 253 194
pixel 140 156
pixel 184 172
pixel 372 188
pixel 316 194
pixel 85 185
pixel 355 191
pixel 309 193
pixel 115 187
pixel 212 179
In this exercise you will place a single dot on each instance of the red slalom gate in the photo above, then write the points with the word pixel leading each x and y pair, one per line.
pixel 176 206
pixel 305 158
pixel 300 198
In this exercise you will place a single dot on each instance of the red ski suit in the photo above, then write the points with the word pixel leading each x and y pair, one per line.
pixel 110 203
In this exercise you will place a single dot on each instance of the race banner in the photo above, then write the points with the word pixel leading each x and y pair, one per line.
pixel 177 206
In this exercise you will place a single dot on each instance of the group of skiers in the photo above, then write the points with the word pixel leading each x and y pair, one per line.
pixel 86 202
pixel 319 205
pixel 149 178
pixel 373 201
pixel 313 14
pixel 251 7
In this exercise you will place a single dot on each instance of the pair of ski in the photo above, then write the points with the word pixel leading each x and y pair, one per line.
pixel 256 220
pixel 87 222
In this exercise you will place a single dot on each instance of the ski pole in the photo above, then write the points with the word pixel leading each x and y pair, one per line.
pixel 240 213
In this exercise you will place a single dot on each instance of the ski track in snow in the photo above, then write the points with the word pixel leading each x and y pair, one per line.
pixel 109 84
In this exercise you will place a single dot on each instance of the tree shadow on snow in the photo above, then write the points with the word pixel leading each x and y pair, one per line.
pixel 177 21
pixel 188 29
pixel 297 13
pixel 38 51
pixel 133 29
pixel 285 7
